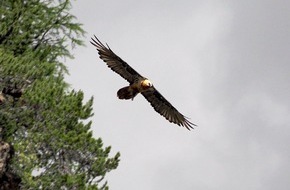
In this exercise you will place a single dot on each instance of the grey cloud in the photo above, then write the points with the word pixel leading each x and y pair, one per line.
pixel 225 64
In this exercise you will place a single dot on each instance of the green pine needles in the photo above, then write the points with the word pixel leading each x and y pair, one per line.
pixel 43 123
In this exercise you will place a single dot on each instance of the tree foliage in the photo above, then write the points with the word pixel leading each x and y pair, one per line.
pixel 44 122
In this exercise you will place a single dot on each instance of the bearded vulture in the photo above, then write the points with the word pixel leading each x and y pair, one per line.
pixel 139 84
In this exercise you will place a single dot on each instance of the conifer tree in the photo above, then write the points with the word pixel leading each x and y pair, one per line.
pixel 45 137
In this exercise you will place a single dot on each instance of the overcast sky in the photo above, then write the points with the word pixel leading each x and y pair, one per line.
pixel 224 64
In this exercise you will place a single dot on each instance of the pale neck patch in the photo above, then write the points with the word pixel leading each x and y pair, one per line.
pixel 146 84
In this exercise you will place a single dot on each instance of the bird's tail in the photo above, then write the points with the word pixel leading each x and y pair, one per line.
pixel 127 93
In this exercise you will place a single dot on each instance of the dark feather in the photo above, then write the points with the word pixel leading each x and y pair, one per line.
pixel 164 108
pixel 157 101
pixel 115 62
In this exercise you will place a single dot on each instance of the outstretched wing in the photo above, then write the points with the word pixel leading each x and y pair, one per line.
pixel 164 108
pixel 115 62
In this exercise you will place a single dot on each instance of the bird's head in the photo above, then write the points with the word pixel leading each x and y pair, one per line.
pixel 146 84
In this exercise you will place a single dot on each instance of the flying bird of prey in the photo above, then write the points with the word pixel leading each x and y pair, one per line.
pixel 139 84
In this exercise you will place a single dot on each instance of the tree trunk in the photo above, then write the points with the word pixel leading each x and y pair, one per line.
pixel 8 180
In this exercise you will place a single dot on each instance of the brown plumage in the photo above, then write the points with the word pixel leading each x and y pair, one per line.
pixel 127 92
pixel 139 84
